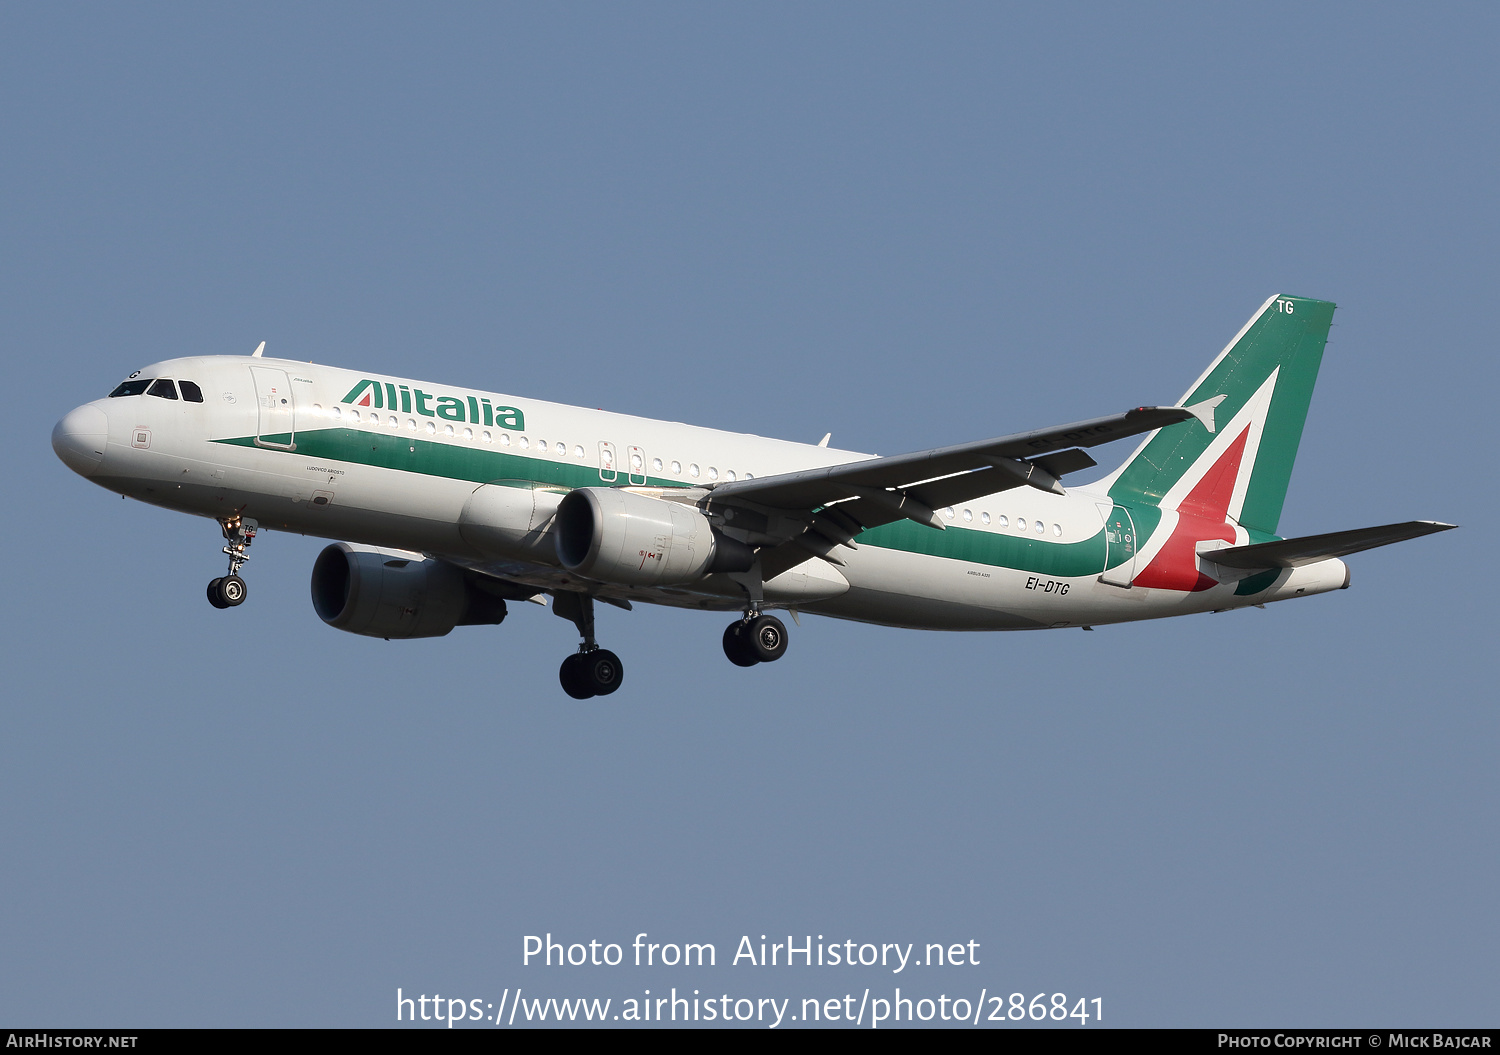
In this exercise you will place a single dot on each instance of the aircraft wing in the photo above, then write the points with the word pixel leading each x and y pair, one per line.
pixel 1295 552
pixel 829 506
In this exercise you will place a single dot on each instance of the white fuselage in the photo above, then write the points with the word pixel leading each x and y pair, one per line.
pixel 283 443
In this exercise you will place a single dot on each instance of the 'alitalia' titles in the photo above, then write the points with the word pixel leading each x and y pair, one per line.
pixel 476 410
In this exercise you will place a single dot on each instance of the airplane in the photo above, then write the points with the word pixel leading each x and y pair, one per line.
pixel 447 503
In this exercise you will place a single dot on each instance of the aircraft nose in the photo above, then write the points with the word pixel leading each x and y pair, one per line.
pixel 79 438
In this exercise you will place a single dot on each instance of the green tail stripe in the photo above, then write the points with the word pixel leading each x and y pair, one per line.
pixel 1289 335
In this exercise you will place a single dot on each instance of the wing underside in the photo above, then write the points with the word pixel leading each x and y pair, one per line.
pixel 794 517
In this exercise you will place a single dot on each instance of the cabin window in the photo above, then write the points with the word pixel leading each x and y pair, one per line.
pixel 713 474
pixel 677 468
pixel 164 388
pixel 132 388
pixel 1057 530
pixel 693 470
pixel 1041 529
pixel 1020 523
pixel 984 518
pixel 190 391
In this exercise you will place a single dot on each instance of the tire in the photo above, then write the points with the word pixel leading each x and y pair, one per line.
pixel 766 636
pixel 214 597
pixel 736 648
pixel 232 591
pixel 572 677
pixel 602 671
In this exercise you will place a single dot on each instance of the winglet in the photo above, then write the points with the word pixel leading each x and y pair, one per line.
pixel 258 352
pixel 1204 411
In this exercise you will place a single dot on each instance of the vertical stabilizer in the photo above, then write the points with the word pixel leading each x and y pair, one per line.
pixel 1250 406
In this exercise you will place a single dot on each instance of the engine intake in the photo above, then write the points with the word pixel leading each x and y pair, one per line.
pixel 617 536
pixel 383 594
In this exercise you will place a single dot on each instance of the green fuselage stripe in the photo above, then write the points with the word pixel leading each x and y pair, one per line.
pixel 455 462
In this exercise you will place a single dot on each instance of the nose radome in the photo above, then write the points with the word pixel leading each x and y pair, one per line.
pixel 79 438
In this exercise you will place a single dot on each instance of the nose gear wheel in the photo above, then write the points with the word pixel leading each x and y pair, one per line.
pixel 229 591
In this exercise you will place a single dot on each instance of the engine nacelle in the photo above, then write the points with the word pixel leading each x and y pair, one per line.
pixel 511 522
pixel 384 594
pixel 617 536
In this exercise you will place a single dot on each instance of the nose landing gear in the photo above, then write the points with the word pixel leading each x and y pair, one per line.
pixel 230 590
pixel 591 671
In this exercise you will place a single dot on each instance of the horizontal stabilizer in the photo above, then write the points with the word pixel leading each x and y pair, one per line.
pixel 1295 552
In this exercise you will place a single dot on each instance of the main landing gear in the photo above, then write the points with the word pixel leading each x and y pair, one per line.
pixel 591 671
pixel 229 591
pixel 757 638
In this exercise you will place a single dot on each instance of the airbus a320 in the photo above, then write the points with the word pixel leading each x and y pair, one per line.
pixel 450 503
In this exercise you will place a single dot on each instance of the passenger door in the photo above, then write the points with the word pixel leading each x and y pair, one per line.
pixel 277 409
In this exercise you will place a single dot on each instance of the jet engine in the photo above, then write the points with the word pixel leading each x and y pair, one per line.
pixel 382 593
pixel 617 536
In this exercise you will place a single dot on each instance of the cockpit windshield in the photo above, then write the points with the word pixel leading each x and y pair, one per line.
pixel 162 387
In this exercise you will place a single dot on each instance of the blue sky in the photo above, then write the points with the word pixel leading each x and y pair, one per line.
pixel 904 225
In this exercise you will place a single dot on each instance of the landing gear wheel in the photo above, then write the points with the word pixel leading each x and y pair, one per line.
pixel 572 677
pixel 214 597
pixel 767 638
pixel 736 647
pixel 602 671
pixel 232 591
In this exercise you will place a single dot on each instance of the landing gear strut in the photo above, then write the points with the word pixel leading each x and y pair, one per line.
pixel 757 638
pixel 591 671
pixel 230 590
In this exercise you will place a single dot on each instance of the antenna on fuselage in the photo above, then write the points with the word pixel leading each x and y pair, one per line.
pixel 257 353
